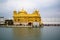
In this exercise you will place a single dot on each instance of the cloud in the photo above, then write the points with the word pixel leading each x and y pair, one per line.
pixel 3 1
pixel 29 3
pixel 7 6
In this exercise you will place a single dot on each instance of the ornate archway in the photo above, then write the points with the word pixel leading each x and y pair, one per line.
pixel 30 23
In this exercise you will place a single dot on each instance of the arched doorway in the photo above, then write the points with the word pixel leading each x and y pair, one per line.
pixel 30 23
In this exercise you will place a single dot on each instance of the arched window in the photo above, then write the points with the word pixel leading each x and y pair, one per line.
pixel 18 19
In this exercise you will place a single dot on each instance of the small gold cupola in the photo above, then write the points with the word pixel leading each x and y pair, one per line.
pixel 15 12
pixel 36 12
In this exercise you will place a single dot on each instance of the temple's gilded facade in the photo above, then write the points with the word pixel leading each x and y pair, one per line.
pixel 23 17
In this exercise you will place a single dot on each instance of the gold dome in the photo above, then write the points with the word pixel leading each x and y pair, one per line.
pixel 23 11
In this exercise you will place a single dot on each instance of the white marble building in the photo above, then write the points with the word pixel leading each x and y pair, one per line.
pixel 2 20
pixel 51 20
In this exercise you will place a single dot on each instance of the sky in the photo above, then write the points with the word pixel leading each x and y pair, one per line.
pixel 47 8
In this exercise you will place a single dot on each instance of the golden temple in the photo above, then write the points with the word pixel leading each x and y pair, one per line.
pixel 23 17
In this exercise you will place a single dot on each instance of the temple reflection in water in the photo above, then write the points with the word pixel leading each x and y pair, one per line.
pixel 26 33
